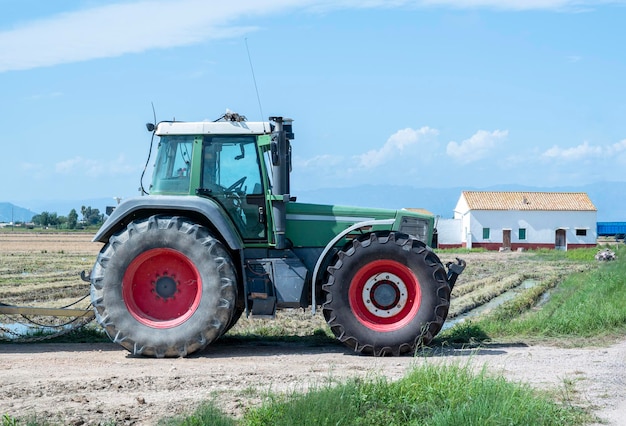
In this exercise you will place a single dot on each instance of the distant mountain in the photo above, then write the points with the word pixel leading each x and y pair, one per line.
pixel 63 207
pixel 440 201
pixel 60 207
pixel 12 213
pixel 608 197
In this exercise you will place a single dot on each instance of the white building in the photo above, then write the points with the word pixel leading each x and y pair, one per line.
pixel 528 220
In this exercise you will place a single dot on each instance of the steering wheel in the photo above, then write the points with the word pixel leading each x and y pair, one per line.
pixel 237 185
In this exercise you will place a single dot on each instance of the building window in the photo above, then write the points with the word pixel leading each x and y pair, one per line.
pixel 485 233
pixel 581 232
pixel 522 233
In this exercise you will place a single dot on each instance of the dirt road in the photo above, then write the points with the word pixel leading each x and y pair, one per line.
pixel 99 383
pixel 96 383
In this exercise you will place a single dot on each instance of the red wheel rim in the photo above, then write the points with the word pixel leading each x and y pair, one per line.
pixel 161 288
pixel 385 295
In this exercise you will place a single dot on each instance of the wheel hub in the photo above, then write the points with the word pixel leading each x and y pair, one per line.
pixel 165 287
pixel 385 294
pixel 161 288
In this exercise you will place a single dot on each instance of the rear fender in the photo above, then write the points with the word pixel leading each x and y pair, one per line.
pixel 203 210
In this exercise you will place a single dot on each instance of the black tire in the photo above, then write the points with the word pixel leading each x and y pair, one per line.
pixel 386 294
pixel 236 316
pixel 164 287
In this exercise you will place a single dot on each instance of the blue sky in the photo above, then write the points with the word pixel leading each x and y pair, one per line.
pixel 428 93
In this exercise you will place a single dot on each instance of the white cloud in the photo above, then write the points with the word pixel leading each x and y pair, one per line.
pixel 581 151
pixel 95 168
pixel 319 161
pixel 131 27
pixel 29 170
pixel 410 148
pixel 514 5
pixel 397 146
pixel 31 167
pixel 39 96
pixel 506 4
pixel 117 29
pixel 585 151
pixel 476 147
pixel 318 171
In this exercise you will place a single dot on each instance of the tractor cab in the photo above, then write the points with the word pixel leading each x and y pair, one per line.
pixel 224 165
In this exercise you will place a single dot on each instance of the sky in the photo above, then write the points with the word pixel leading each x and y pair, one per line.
pixel 425 93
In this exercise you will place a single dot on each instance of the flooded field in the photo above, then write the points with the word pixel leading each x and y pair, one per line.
pixel 43 269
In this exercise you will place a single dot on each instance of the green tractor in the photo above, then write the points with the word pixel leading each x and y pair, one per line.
pixel 220 234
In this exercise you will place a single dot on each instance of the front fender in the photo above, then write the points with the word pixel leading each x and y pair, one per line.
pixel 203 210
pixel 331 244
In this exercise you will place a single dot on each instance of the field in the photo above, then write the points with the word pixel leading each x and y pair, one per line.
pixel 90 383
pixel 43 269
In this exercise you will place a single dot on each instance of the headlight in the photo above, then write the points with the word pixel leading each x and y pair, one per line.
pixel 415 226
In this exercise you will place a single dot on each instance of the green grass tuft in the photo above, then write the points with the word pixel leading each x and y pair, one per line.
pixel 206 414
pixel 430 395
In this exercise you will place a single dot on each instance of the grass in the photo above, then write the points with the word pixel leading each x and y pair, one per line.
pixel 206 414
pixel 429 395
pixel 583 306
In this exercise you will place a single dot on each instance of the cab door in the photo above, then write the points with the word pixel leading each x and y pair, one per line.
pixel 231 175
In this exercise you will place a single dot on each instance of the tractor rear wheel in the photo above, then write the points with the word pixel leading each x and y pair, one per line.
pixel 386 294
pixel 164 287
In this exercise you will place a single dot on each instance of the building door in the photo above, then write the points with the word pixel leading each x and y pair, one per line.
pixel 506 239
pixel 560 242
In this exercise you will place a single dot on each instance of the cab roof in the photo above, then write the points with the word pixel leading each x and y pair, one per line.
pixel 212 128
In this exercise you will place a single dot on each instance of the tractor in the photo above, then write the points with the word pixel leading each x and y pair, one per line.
pixel 219 233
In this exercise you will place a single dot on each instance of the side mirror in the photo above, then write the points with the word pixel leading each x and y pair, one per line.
pixel 274 152
pixel 150 127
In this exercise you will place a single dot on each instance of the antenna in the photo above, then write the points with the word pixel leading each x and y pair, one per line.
pixel 255 85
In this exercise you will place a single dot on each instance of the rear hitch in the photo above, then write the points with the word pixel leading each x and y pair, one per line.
pixel 454 270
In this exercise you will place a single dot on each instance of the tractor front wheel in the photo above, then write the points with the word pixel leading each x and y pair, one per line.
pixel 164 287
pixel 386 294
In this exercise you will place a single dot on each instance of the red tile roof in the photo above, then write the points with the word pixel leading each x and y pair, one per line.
pixel 564 201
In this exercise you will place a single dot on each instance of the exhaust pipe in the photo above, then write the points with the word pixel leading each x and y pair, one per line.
pixel 281 164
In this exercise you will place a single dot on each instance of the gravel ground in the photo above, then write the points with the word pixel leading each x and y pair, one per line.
pixel 80 384
pixel 96 383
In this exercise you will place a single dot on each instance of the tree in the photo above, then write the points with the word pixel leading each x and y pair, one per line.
pixel 72 219
pixel 53 219
pixel 91 216
pixel 62 222
pixel 42 219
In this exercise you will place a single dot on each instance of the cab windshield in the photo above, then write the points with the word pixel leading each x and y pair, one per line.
pixel 171 173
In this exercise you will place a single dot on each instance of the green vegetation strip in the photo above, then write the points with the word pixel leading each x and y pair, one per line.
pixel 588 305
pixel 429 395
